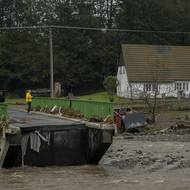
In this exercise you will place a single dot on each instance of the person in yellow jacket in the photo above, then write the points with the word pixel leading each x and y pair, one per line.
pixel 29 100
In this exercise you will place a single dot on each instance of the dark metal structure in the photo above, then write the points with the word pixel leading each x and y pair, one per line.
pixel 44 141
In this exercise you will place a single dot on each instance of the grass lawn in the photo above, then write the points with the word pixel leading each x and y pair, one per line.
pixel 169 104
pixel 105 97
pixel 100 97
pixel 13 101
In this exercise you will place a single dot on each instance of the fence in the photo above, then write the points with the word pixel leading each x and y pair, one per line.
pixel 50 102
pixel 3 110
pixel 87 108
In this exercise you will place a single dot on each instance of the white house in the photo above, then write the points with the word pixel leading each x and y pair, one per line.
pixel 149 68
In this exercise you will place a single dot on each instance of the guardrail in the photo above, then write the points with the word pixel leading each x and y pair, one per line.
pixel 50 102
pixel 90 108
pixel 87 108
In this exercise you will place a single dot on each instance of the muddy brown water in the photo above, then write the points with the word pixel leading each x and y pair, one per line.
pixel 128 165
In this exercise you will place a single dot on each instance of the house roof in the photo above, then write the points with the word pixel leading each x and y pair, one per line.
pixel 147 63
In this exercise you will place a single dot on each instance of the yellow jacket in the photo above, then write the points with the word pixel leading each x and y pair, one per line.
pixel 28 97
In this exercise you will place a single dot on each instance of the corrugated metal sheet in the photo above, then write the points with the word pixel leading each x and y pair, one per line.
pixel 146 63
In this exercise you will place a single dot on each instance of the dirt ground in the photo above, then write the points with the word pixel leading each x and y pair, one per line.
pixel 159 162
pixel 151 160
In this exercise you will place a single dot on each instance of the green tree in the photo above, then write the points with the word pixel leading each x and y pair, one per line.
pixel 110 84
pixel 81 58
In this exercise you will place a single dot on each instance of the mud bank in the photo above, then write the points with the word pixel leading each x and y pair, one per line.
pixel 148 154
pixel 150 160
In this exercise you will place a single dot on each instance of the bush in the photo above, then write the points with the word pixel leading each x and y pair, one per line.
pixel 110 84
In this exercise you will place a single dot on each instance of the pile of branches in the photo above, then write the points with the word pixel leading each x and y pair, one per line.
pixel 70 113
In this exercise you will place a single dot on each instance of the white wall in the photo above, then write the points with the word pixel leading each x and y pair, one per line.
pixel 188 92
pixel 135 90
pixel 123 87
pixel 168 89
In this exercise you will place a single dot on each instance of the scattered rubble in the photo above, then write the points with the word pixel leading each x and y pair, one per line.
pixel 95 119
pixel 129 120
pixel 183 124
pixel 109 120
pixel 71 113
pixel 148 157
pixel 3 122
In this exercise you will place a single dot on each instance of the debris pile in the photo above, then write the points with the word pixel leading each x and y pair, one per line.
pixel 109 120
pixel 96 119
pixel 60 111
pixel 71 113
pixel 129 120
pixel 3 122
pixel 3 125
pixel 183 124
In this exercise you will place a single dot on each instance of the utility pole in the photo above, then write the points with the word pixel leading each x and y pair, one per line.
pixel 51 62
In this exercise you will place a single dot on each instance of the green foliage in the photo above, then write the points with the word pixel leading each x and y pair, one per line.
pixel 110 84
pixel 162 15
pixel 81 58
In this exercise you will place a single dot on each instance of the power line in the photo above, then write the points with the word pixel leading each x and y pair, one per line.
pixel 51 27
pixel 24 27
pixel 90 29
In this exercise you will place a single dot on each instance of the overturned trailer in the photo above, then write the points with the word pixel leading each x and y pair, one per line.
pixel 36 140
pixel 129 120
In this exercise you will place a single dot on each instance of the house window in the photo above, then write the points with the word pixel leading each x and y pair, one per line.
pixel 150 87
pixel 177 86
pixel 182 86
pixel 147 87
pixel 155 87
pixel 120 70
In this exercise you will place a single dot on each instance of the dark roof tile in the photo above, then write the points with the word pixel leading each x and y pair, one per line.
pixel 156 62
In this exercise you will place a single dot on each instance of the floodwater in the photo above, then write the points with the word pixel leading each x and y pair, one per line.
pixel 128 165
pixel 60 178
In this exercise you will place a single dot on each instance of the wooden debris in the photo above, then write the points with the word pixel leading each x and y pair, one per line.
pixel 183 124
